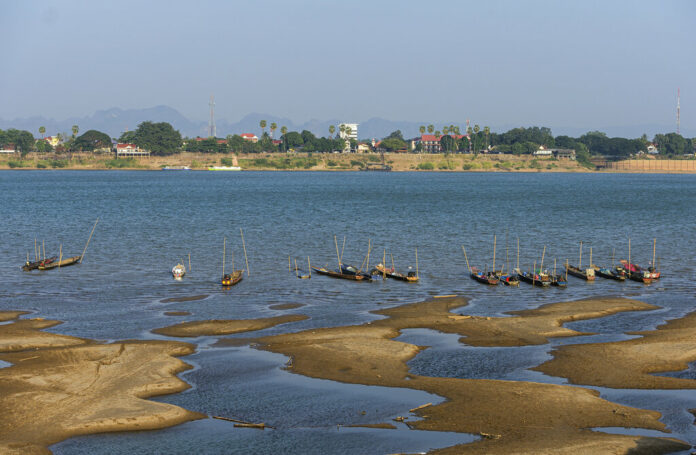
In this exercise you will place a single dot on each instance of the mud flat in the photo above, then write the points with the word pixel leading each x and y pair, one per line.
pixel 631 363
pixel 60 386
pixel 177 313
pixel 511 417
pixel 191 298
pixel 226 326
pixel 286 306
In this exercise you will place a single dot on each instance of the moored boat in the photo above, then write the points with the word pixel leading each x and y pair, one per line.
pixel 586 274
pixel 178 271
pixel 224 168
pixel 535 279
pixel 338 274
pixel 29 266
pixel 62 263
pixel 489 278
pixel 608 273
pixel 176 168
pixel 230 279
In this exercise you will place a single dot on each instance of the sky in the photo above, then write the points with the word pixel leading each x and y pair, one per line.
pixel 584 64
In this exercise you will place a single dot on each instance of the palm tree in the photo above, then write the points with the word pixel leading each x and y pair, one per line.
pixel 273 128
pixel 431 128
pixel 341 129
pixel 477 129
pixel 422 129
pixel 284 131
pixel 42 130
pixel 262 124
pixel 437 133
pixel 469 130
pixel 486 131
pixel 348 131
pixel 456 130
pixel 75 130
pixel 445 130
pixel 332 130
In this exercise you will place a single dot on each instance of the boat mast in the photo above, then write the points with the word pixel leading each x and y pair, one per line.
pixel 629 256
pixel 518 254
pixel 245 253
pixel 507 258
pixel 612 257
pixel 224 245
pixel 494 245
pixel 338 255
pixel 580 257
pixel 654 243
pixel 590 257
pixel 467 259
pixel 416 262
pixel 541 267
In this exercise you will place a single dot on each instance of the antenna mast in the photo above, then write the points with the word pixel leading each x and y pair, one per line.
pixel 678 96
pixel 211 123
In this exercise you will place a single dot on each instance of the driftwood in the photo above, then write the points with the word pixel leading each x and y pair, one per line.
pixel 420 407
pixel 244 424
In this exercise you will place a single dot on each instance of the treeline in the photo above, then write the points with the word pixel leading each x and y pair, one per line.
pixel 162 139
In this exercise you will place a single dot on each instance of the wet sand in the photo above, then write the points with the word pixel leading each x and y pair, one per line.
pixel 631 363
pixel 184 299
pixel 177 313
pixel 61 386
pixel 513 417
pixel 226 326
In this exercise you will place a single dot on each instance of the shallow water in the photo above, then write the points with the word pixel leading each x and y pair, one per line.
pixel 148 221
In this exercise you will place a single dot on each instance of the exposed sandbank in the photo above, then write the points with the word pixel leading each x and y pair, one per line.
pixel 177 313
pixel 225 327
pixel 516 417
pixel 61 386
pixel 630 363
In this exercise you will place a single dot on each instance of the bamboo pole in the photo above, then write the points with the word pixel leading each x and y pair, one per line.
pixel 554 267
pixel 629 257
pixel 541 267
pixel 245 253
pixel 27 257
pixel 60 255
pixel 494 245
pixel 338 256
pixel 384 264
pixel 566 269
pixel 289 269
pixel 296 268
pixel 232 254
pixel 654 244
pixel 612 257
pixel 466 259
pixel 224 245
pixel 309 267
pixel 580 258
pixel 590 257
pixel 392 258
pixel 43 244
pixel 369 248
pixel 90 238
pixel 417 262
pixel 507 258
pixel 518 254
pixel 36 255
pixel 534 274
pixel 342 248
pixel 189 263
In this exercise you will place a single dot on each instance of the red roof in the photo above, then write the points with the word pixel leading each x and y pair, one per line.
pixel 123 146
pixel 433 138
pixel 248 135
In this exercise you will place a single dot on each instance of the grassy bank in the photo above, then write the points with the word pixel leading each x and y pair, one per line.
pixel 340 162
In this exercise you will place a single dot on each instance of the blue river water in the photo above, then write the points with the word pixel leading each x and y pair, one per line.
pixel 148 221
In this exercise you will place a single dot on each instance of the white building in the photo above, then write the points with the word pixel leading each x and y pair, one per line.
pixel 342 128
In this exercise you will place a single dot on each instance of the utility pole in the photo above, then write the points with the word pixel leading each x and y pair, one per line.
pixel 211 123
pixel 678 96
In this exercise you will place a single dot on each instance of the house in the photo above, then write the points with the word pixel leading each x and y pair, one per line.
pixel 130 150
pixel 652 149
pixel 53 140
pixel 250 137
pixel 543 151
pixel 7 148
pixel 431 143
pixel 565 154
pixel 364 148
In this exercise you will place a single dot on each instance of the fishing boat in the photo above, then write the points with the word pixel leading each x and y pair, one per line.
pixel 230 279
pixel 338 274
pixel 489 278
pixel 298 272
pixel 352 270
pixel 176 168
pixel 507 279
pixel 535 279
pixel 587 274
pixel 558 279
pixel 380 269
pixel 29 266
pixel 608 273
pixel 636 273
pixel 62 263
pixel 178 271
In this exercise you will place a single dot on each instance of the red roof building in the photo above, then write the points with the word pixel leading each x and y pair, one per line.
pixel 249 137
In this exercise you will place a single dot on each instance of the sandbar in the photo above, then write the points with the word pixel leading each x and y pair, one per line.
pixel 61 386
pixel 513 417
pixel 286 306
pixel 225 326
pixel 630 363
pixel 177 313
pixel 184 299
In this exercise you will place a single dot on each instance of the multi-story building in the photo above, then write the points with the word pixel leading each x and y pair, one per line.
pixel 344 135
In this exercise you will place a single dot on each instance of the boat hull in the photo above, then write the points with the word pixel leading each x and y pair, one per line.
pixel 229 280
pixel 323 271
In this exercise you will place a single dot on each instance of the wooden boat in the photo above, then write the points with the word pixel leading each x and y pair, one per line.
pixel 380 269
pixel 351 270
pixel 509 280
pixel 558 280
pixel 535 279
pixel 636 273
pixel 586 274
pixel 298 273
pixel 337 274
pixel 29 266
pixel 489 278
pixel 62 263
pixel 230 279
pixel 608 273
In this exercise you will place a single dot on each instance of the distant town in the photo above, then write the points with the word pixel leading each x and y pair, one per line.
pixel 153 139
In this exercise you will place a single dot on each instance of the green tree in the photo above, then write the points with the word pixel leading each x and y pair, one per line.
pixel 445 130
pixel 422 129
pixel 75 130
pixel 42 131
pixel 43 147
pixel 90 141
pixel 284 131
pixel 487 132
pixel 160 138
pixel 274 127
pixel 235 142
pixel 294 139
pixel 448 144
pixel 437 133
pixel 262 124
pixel 332 130
pixel 391 144
pixel 431 128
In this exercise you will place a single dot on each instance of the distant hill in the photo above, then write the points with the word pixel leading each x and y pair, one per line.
pixel 115 121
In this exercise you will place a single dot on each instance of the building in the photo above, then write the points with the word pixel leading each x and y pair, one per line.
pixel 431 143
pixel 353 127
pixel 543 151
pixel 652 149
pixel 130 150
pixel 7 148
pixel 53 140
pixel 564 154
pixel 249 137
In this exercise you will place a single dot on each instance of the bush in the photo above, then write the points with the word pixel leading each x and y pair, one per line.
pixel 17 164
pixel 59 163
pixel 427 166
pixel 535 164
pixel 446 165
pixel 331 163
pixel 357 163
pixel 470 166
pixel 227 162
pixel 42 165
pixel 120 163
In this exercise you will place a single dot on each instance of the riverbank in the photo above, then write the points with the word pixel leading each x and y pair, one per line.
pixel 399 162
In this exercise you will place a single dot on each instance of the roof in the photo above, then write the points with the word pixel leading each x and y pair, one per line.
pixel 433 138
pixel 123 146
pixel 248 135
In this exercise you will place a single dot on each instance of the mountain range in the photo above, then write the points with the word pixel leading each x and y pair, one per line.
pixel 115 121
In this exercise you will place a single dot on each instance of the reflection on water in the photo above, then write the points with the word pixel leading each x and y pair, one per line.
pixel 151 220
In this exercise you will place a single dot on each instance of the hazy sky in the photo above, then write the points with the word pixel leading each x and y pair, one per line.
pixel 555 63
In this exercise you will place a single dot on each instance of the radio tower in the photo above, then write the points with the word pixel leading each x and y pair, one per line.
pixel 211 123
pixel 678 95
